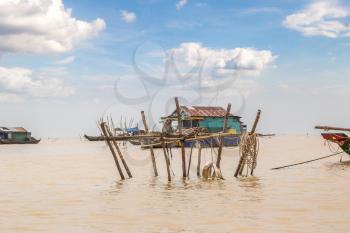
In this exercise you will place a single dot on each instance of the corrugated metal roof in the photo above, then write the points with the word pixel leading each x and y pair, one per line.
pixel 13 129
pixel 204 111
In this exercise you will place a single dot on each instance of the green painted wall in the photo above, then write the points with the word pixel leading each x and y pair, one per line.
pixel 19 136
pixel 215 124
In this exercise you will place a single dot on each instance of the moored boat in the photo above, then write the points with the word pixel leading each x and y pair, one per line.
pixel 93 138
pixel 340 139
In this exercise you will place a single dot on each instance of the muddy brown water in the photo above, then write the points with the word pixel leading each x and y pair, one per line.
pixel 73 186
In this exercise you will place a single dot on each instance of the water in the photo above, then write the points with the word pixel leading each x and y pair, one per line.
pixel 73 186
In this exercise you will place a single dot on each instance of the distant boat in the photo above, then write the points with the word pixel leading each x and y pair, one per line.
pixel 134 142
pixel 16 135
pixel 94 138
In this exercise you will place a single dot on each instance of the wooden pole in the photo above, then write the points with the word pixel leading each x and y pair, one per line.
pixel 331 128
pixel 199 159
pixel 241 164
pixel 189 162
pixel 167 162
pixel 179 122
pixel 222 139
pixel 103 128
pixel 120 154
pixel 151 147
pixel 256 122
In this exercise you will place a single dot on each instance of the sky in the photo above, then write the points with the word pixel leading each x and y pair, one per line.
pixel 64 64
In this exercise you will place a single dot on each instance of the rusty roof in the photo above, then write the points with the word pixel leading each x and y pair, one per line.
pixel 204 111
pixel 13 129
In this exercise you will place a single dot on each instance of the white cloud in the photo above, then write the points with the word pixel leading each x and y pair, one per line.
pixel 181 4
pixel 321 18
pixel 42 26
pixel 128 16
pixel 19 81
pixel 66 60
pixel 221 62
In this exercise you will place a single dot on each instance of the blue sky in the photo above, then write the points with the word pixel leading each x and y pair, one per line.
pixel 290 58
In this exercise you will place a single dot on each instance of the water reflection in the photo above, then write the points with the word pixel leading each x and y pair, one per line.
pixel 252 189
pixel 116 187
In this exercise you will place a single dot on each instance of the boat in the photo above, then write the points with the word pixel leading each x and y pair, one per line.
pixel 93 138
pixel 341 139
pixel 29 141
pixel 135 142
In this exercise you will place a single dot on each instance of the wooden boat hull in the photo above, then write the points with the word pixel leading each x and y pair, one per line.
pixel 341 139
pixel 229 141
pixel 30 141
pixel 135 142
pixel 101 138
pixel 94 138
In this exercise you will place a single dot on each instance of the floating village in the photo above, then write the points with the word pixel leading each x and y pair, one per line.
pixel 187 127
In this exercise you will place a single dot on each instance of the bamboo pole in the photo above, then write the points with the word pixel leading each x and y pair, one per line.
pixel 120 154
pixel 167 162
pixel 222 139
pixel 183 156
pixel 151 147
pixel 199 159
pixel 331 128
pixel 103 128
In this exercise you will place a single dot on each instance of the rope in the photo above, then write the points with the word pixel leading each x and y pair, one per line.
pixel 331 148
pixel 249 149
pixel 308 161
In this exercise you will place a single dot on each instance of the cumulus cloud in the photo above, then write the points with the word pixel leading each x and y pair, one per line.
pixel 181 4
pixel 19 81
pixel 221 62
pixel 42 26
pixel 321 18
pixel 127 16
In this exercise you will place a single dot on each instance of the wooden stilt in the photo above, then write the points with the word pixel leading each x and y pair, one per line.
pixel 151 147
pixel 189 161
pixel 104 131
pixel 199 159
pixel 179 121
pixel 256 122
pixel 222 139
pixel 167 162
pixel 119 153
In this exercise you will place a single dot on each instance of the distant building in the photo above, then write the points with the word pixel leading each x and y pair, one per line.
pixel 15 135
pixel 210 118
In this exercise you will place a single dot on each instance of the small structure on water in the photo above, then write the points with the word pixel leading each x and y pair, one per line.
pixel 16 135
pixel 209 119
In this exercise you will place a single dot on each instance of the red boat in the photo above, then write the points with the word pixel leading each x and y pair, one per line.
pixel 341 139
